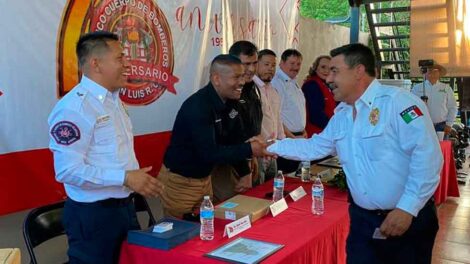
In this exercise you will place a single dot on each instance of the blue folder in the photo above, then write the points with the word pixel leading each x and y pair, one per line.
pixel 181 232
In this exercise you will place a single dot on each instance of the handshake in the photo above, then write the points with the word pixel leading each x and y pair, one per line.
pixel 259 145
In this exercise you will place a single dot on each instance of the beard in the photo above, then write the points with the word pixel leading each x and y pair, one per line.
pixel 266 79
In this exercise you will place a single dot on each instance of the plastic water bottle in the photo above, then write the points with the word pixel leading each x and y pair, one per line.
pixel 317 197
pixel 278 188
pixel 207 219
pixel 305 175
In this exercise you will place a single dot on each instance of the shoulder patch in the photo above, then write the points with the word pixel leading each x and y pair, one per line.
pixel 411 113
pixel 65 133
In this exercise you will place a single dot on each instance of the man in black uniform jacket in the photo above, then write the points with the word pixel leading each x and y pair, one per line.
pixel 201 138
pixel 251 114
pixel 250 100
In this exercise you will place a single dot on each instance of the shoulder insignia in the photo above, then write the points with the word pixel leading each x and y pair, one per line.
pixel 411 113
pixel 65 133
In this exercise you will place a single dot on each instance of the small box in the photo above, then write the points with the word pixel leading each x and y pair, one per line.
pixel 181 232
pixel 240 206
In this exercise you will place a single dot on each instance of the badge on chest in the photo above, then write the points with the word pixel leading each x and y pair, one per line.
pixel 374 116
pixel 233 114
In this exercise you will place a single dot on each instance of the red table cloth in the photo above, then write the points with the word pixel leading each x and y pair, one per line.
pixel 306 238
pixel 448 185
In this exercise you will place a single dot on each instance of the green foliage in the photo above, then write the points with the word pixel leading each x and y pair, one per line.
pixel 339 181
pixel 324 9
pixel 328 9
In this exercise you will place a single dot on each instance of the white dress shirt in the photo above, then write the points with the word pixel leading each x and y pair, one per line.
pixel 292 101
pixel 441 101
pixel 390 153
pixel 92 141
pixel 271 126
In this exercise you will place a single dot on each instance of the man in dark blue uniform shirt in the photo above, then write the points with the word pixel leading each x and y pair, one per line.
pixel 202 138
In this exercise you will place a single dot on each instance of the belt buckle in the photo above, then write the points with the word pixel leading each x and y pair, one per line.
pixel 382 212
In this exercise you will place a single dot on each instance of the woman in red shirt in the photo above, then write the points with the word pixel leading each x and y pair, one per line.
pixel 318 97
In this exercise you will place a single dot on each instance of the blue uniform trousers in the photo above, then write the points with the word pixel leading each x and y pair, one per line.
pixel 96 230
pixel 414 246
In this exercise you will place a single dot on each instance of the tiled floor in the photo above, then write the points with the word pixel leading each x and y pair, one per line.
pixel 453 239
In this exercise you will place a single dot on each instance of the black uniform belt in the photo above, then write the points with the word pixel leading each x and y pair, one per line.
pixel 110 202
pixel 384 212
pixel 374 212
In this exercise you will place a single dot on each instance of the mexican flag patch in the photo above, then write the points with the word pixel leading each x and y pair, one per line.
pixel 411 113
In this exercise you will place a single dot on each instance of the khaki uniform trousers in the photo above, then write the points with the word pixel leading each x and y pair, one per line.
pixel 224 180
pixel 182 195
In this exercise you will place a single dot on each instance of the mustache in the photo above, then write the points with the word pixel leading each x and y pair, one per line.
pixel 332 86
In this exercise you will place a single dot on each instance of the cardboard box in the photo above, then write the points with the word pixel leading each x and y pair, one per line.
pixel 240 206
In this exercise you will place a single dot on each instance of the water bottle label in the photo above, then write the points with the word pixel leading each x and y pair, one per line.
pixel 278 184
pixel 317 193
pixel 207 214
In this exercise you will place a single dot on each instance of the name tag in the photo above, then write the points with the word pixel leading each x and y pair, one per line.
pixel 236 227
pixel 297 193
pixel 102 120
pixel 278 207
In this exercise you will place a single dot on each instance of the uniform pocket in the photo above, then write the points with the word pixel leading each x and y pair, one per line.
pixel 374 143
pixel 104 134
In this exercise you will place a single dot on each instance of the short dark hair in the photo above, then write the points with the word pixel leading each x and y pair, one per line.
pixel 91 42
pixel 224 59
pixel 290 52
pixel 243 47
pixel 355 54
pixel 265 52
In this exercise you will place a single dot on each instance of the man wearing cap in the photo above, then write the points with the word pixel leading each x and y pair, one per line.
pixel 441 101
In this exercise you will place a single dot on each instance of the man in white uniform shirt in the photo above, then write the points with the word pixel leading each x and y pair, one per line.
pixel 92 142
pixel 386 143
pixel 271 126
pixel 293 113
pixel 441 101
